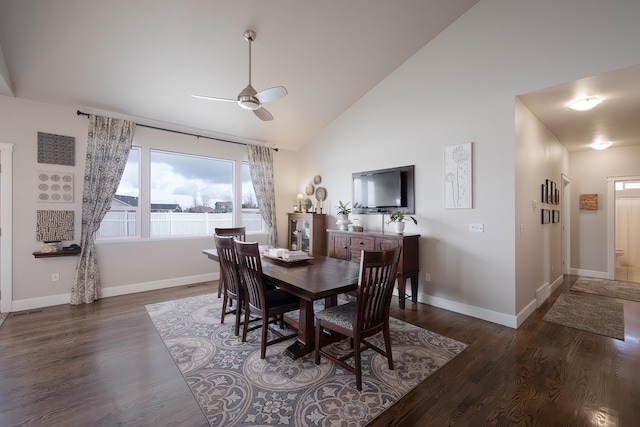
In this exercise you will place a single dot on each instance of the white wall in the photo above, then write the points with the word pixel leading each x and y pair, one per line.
pixel 461 87
pixel 540 157
pixel 589 173
pixel 127 266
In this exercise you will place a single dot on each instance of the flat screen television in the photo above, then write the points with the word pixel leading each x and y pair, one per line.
pixel 384 191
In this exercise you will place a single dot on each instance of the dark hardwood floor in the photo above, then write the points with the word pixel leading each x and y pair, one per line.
pixel 104 364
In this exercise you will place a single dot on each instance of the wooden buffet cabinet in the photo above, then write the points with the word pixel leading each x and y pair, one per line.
pixel 348 244
pixel 306 232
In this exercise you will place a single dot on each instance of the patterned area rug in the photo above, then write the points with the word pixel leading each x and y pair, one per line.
pixel 234 387
pixel 589 314
pixel 608 288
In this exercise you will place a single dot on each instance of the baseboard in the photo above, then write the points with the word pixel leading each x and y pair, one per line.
pixel 51 300
pixel 542 293
pixel 526 312
pixel 590 273
pixel 40 302
pixel 470 310
pixel 559 280
pixel 157 284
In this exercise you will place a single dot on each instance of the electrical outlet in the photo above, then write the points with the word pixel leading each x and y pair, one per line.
pixel 427 277
pixel 55 277
pixel 476 228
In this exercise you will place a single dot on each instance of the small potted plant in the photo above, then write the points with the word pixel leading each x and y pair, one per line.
pixel 343 215
pixel 343 210
pixel 398 219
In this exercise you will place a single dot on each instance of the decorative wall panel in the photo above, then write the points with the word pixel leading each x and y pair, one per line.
pixel 54 226
pixel 55 187
pixel 56 149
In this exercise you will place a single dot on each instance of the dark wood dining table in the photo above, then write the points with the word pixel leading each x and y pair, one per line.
pixel 321 277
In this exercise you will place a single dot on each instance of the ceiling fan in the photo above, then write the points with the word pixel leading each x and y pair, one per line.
pixel 249 99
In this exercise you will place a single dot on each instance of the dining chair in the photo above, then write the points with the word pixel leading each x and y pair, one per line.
pixel 364 317
pixel 233 289
pixel 239 233
pixel 271 304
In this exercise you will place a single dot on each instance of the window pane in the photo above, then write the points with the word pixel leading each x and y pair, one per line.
pixel 189 195
pixel 251 218
pixel 122 219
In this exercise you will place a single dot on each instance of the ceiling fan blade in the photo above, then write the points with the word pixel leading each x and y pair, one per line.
pixel 263 114
pixel 211 98
pixel 271 94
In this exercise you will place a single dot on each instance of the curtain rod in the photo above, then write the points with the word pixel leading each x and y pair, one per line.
pixel 80 113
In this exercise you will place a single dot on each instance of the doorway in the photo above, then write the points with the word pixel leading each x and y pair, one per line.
pixel 6 185
pixel 627 230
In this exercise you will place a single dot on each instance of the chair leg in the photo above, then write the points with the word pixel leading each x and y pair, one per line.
pixel 265 329
pixel 387 343
pixel 246 322
pixel 220 286
pixel 238 314
pixel 224 307
pixel 358 363
pixel 318 333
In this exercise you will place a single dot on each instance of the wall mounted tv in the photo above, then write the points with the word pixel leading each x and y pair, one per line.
pixel 384 191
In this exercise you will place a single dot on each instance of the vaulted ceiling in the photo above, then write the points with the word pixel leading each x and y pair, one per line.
pixel 143 59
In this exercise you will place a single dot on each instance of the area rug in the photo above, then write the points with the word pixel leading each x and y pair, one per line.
pixel 608 288
pixel 589 314
pixel 234 387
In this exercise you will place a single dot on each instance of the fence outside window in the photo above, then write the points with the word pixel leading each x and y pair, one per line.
pixel 119 224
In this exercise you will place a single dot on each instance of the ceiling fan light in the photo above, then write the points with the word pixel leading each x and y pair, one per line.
pixel 585 103
pixel 600 145
pixel 248 102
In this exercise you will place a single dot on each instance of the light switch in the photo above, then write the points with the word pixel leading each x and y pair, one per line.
pixel 476 228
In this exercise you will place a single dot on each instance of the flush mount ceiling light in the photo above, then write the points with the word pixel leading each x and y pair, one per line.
pixel 600 145
pixel 585 103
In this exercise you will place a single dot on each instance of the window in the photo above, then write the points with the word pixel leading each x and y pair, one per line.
pixel 163 194
pixel 123 218
pixel 189 195
pixel 251 217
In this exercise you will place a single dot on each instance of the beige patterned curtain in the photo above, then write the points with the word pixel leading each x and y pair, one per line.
pixel 108 145
pixel 261 169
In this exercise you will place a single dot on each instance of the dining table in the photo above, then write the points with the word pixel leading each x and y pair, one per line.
pixel 314 278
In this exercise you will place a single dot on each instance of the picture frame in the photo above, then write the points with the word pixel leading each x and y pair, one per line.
pixel 546 216
pixel 588 202
pixel 458 178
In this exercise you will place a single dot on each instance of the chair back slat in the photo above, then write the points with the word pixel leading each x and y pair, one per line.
pixel 239 233
pixel 251 272
pixel 378 272
pixel 228 263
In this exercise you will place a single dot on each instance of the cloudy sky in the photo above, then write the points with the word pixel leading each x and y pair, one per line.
pixel 184 179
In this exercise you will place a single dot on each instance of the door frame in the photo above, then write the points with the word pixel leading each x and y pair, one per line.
pixel 611 221
pixel 565 219
pixel 6 226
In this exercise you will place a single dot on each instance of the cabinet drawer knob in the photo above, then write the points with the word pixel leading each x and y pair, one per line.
pixel 361 243
pixel 345 247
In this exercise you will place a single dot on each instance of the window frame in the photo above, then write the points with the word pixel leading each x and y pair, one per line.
pixel 143 210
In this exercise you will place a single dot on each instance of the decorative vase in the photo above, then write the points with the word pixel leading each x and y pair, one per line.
pixel 343 222
pixel 399 226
